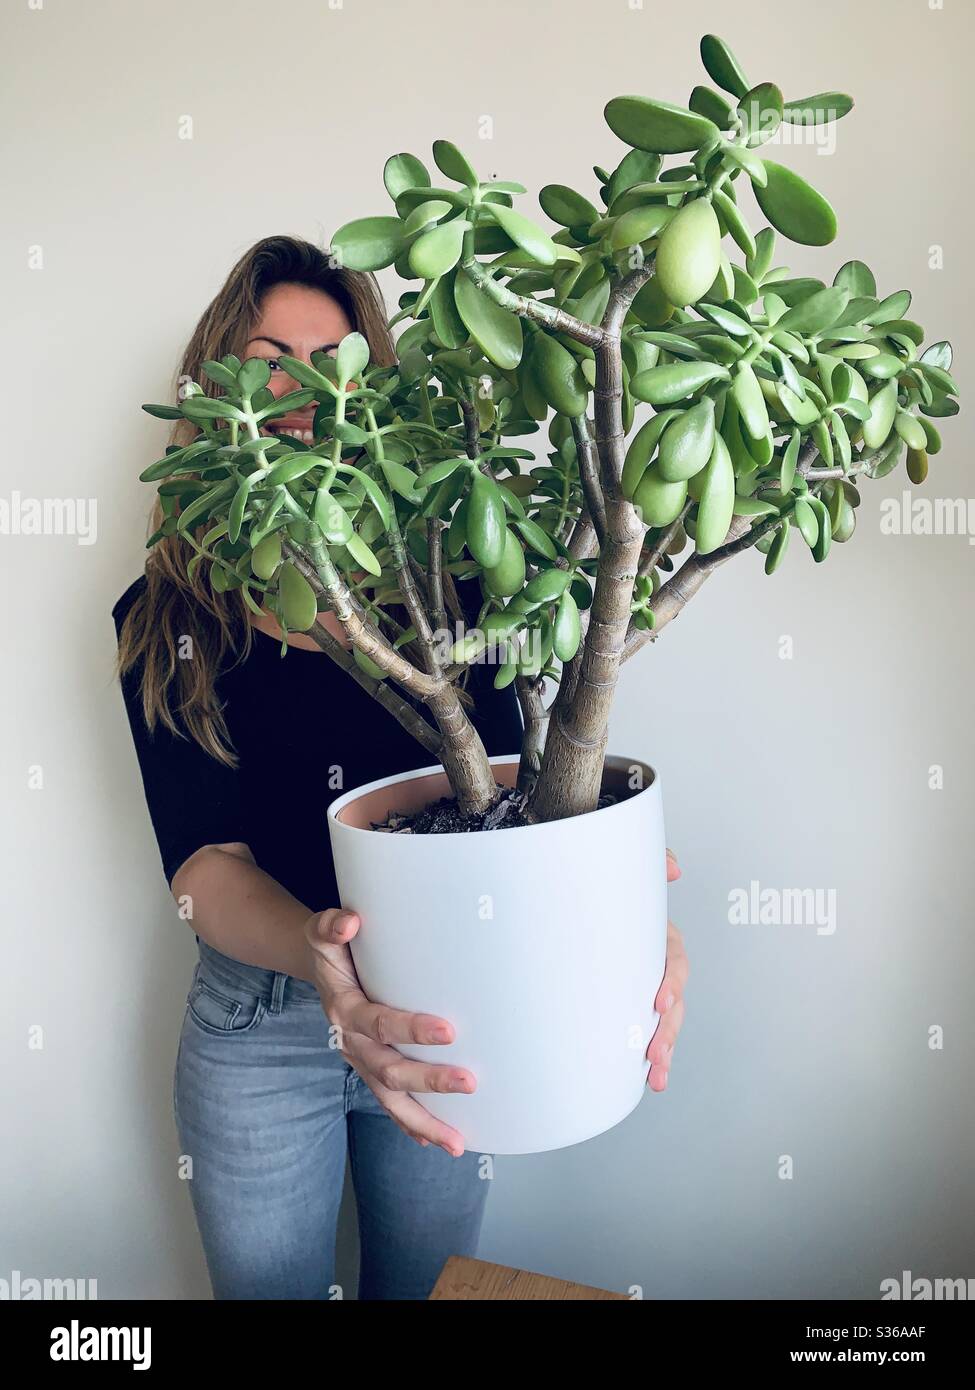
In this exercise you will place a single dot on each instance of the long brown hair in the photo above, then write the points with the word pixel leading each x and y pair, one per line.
pixel 174 607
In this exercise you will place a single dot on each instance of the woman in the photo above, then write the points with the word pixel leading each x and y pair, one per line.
pixel 283 1064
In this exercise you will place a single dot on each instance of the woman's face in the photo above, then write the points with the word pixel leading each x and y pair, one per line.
pixel 295 320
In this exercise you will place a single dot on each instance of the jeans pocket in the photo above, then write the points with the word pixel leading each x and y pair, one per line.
pixel 218 1011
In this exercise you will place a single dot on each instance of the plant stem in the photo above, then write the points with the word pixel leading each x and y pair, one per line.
pixel 535 717
pixel 525 305
pixel 403 712
pixel 589 475
pixel 571 777
pixel 461 751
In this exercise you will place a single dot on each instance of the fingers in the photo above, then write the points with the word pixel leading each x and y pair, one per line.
pixel 394 1072
pixel 347 1006
pixel 387 1075
pixel 669 1004
pixel 391 1026
pixel 673 868
pixel 417 1123
pixel 675 973
pixel 661 1048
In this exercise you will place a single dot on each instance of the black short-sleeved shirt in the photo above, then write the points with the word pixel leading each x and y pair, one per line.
pixel 304 732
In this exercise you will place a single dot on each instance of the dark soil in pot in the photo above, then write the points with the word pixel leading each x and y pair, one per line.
pixel 444 817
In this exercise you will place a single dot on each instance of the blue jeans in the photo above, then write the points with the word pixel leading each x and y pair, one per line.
pixel 267 1110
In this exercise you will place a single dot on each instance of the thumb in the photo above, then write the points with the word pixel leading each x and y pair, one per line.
pixel 334 927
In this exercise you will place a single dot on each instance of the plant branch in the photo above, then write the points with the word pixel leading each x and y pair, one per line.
pixel 526 306
pixel 472 427
pixel 608 393
pixel 412 598
pixel 572 768
pixel 461 751
pixel 438 613
pixel 680 588
pixel 325 579
pixel 403 712
pixel 535 716
pixel 657 551
pixel 589 475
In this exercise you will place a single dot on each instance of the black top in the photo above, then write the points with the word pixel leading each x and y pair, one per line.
pixel 304 732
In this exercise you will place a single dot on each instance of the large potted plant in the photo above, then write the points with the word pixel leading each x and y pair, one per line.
pixel 772 396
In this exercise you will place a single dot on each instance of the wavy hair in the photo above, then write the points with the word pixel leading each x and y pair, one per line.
pixel 172 606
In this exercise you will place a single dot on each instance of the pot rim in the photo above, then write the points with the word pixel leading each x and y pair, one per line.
pixel 615 761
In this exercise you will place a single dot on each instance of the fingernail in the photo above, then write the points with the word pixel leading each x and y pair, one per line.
pixel 667 1049
pixel 669 1002
pixel 458 1083
pixel 441 1035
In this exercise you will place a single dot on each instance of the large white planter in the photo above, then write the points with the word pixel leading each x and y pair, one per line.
pixel 543 945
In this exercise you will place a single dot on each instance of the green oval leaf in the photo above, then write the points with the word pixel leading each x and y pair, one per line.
pixel 403 171
pixel 439 250
pixel 815 314
pixel 639 224
pixel 716 506
pixel 722 65
pixel 546 586
pixel 760 113
pixel 795 208
pixel 858 278
pixel 486 524
pixel 299 606
pixel 566 206
pixel 689 254
pixel 535 538
pixel 567 628
pixel 712 106
pixel 362 555
pixel 450 161
pixel 253 376
pixel 657 126
pixel 352 357
pixel 817 110
pixel 496 331
pixel 369 243
pixel 671 383
pixel 523 232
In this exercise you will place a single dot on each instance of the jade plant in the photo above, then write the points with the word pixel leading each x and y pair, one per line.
pixel 772 395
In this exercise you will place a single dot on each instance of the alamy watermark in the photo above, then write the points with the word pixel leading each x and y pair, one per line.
pixel 756 906
pixel 917 1289
pixel 910 515
pixel 49 516
pixel 81 1343
pixel 20 1288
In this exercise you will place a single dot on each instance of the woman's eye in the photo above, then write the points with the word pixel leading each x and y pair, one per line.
pixel 274 364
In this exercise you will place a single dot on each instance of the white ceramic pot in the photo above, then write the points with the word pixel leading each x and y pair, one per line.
pixel 543 945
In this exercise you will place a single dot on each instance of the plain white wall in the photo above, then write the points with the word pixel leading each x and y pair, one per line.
pixel 809 772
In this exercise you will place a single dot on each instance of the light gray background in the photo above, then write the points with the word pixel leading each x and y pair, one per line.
pixel 810 772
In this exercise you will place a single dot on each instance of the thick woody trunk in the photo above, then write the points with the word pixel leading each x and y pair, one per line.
pixel 575 748
pixel 459 745
pixel 572 767
pixel 463 755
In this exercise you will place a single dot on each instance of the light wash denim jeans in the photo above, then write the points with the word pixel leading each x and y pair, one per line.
pixel 267 1110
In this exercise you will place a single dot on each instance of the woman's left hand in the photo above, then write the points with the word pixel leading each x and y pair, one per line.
pixel 669 1002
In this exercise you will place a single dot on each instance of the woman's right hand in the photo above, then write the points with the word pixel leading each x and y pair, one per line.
pixel 367 1034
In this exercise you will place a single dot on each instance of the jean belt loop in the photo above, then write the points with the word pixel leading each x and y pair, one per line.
pixel 277 992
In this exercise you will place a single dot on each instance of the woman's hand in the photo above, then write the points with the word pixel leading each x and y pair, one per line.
pixel 669 1002
pixel 368 1032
